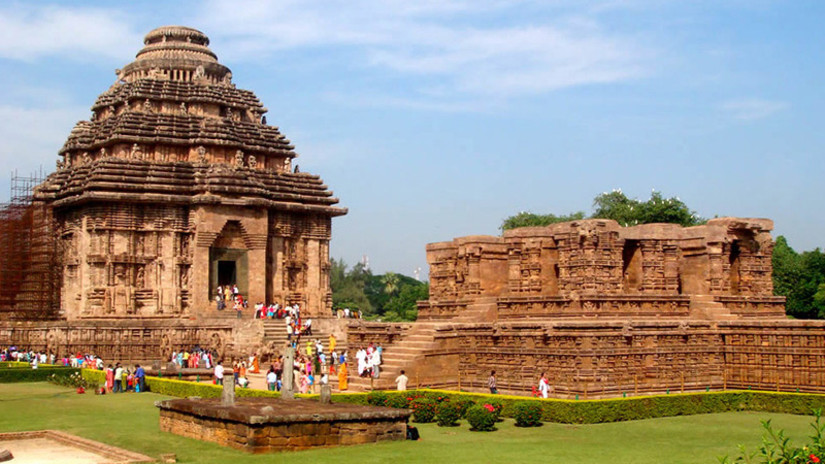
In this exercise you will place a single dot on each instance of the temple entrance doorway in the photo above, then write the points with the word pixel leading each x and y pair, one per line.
pixel 227 273
pixel 229 260
pixel 632 266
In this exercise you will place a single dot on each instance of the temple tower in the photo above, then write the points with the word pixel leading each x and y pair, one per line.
pixel 177 185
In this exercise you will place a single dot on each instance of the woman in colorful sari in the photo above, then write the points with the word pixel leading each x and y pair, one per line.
pixel 110 379
pixel 304 382
pixel 342 377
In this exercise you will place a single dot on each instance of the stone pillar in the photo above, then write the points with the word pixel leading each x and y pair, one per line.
pixel 228 396
pixel 288 382
pixel 326 394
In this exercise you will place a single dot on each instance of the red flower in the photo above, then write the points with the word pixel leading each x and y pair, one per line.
pixel 814 459
pixel 489 407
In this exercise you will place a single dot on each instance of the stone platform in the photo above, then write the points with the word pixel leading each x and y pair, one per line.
pixel 260 425
pixel 52 446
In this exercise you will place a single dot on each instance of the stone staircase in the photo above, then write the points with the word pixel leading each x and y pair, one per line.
pixel 404 353
pixel 705 307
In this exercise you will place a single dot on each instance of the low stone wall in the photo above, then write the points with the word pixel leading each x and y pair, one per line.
pixel 604 358
pixel 265 425
pixel 133 341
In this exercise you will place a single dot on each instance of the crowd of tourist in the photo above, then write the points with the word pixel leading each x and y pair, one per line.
pixel 369 360
pixel 195 358
pixel 229 295
pixel 346 313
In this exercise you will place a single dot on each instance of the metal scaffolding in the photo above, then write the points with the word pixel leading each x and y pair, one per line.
pixel 28 271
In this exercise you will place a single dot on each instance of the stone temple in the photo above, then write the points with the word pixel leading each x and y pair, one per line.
pixel 605 310
pixel 177 185
pixel 174 186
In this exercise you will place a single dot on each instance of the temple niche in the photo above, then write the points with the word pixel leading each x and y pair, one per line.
pixel 176 185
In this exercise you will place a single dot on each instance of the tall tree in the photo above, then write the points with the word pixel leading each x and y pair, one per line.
pixel 527 219
pixel 617 206
pixel 390 281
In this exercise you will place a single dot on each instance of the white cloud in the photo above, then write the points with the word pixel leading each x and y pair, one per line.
pixel 465 46
pixel 752 108
pixel 32 136
pixel 30 31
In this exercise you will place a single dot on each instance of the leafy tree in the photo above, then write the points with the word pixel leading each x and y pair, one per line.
pixel 800 278
pixel 527 219
pixel 390 281
pixel 404 307
pixel 348 286
pixel 390 296
pixel 617 206
pixel 628 212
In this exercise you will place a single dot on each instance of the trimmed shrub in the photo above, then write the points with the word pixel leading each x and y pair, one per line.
pixel 498 407
pixel 27 374
pixel 397 401
pixel 527 414
pixel 423 410
pixel 481 418
pixel 463 405
pixel 447 414
pixel 377 398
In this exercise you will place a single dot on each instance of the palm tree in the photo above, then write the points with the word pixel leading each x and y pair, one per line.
pixel 390 281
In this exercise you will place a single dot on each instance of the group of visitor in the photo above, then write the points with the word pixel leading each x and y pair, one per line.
pixel 275 311
pixel 296 326
pixel 195 358
pixel 34 358
pixel 346 313
pixel 123 380
pixel 229 295
pixel 312 366
pixel 369 360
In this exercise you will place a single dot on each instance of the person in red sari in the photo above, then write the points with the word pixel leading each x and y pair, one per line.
pixel 110 379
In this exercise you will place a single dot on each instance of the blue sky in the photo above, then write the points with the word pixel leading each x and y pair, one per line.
pixel 435 119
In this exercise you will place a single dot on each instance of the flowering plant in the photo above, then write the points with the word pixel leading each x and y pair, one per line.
pixel 776 447
pixel 423 409
pixel 481 418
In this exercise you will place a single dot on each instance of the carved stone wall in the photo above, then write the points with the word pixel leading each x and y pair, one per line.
pixel 125 261
pixel 594 267
pixel 127 341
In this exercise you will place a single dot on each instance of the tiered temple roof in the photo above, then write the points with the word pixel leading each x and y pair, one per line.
pixel 174 127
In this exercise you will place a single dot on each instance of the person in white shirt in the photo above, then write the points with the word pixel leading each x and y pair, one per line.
pixel 375 360
pixel 118 379
pixel 271 379
pixel 219 373
pixel 544 386
pixel 401 382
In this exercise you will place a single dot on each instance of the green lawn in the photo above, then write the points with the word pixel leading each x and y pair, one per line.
pixel 131 421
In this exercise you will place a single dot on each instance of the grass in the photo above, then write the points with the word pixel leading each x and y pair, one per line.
pixel 131 421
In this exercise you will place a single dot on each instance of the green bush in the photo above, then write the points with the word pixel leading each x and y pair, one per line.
pixel 447 414
pixel 27 374
pixel 398 402
pixel 527 414
pixel 481 418
pixel 777 449
pixel 463 405
pixel 423 410
pixel 498 407
pixel 377 398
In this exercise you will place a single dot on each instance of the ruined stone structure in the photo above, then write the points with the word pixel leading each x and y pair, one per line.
pixel 174 186
pixel 261 425
pixel 605 311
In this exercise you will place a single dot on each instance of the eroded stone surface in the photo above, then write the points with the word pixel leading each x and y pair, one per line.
pixel 263 425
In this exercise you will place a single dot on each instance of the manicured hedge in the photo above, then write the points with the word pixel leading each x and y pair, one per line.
pixel 27 374
pixel 7 364
pixel 184 389
pixel 553 410
pixel 623 409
